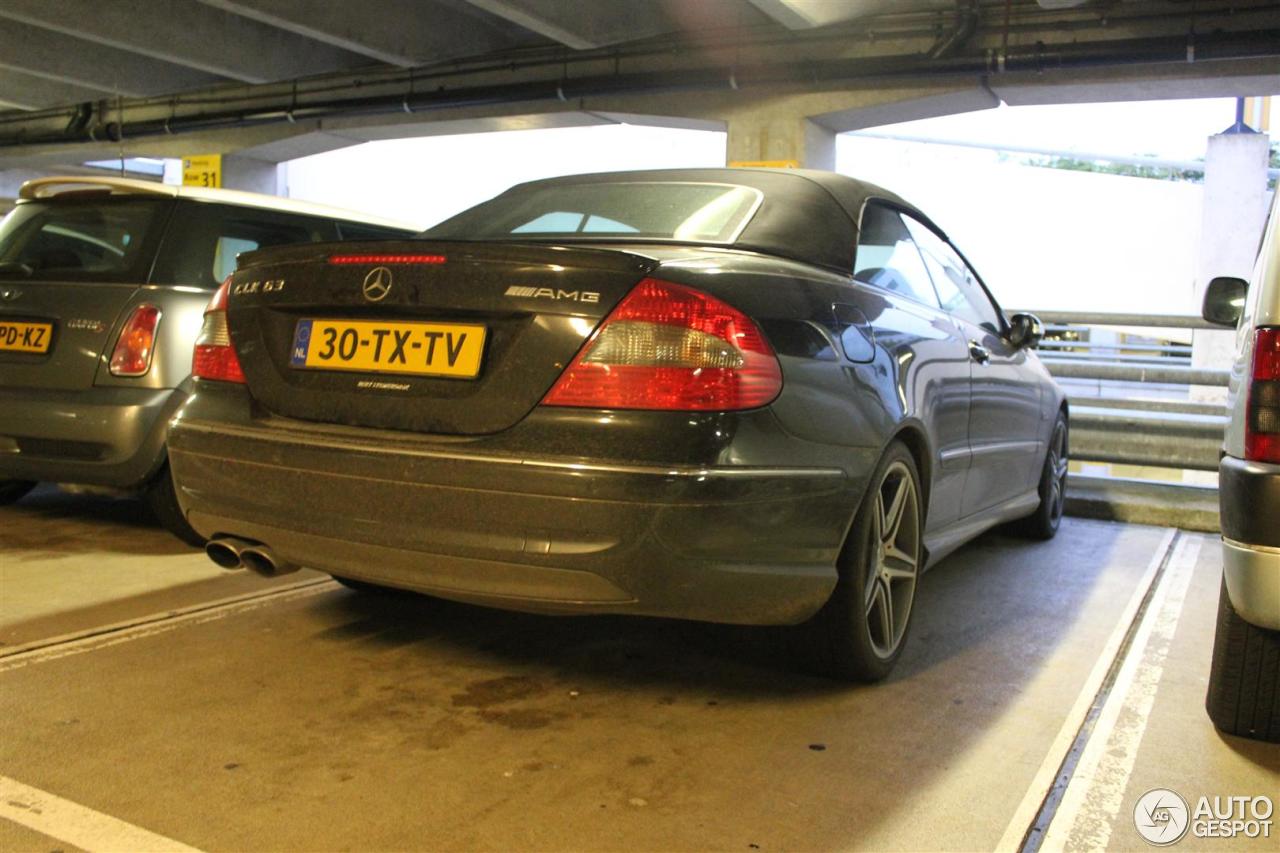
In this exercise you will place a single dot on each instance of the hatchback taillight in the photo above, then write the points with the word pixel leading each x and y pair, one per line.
pixel 671 347
pixel 1262 418
pixel 215 357
pixel 137 341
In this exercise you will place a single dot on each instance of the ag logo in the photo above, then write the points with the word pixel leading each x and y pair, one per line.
pixel 1161 817
pixel 377 284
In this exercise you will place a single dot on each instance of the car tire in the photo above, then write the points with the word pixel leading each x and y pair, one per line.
pixel 14 490
pixel 162 500
pixel 860 632
pixel 1044 522
pixel 1244 677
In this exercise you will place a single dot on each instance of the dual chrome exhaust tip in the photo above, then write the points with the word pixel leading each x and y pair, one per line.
pixel 231 552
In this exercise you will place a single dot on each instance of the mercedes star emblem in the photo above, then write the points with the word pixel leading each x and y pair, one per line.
pixel 377 284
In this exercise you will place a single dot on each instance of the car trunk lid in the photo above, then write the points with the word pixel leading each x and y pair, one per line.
pixel 533 306
pixel 70 267
pixel 69 330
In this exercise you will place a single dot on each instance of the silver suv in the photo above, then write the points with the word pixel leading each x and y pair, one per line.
pixel 1244 682
pixel 103 284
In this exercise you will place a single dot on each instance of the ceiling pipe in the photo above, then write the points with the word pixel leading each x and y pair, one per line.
pixel 1038 58
pixel 968 16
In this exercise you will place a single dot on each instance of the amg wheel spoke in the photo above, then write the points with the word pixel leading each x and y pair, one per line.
pixel 893 517
pixel 892 559
pixel 886 616
pixel 903 559
pixel 873 559
pixel 900 569
pixel 874 591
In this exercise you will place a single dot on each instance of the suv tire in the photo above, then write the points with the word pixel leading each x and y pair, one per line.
pixel 1244 679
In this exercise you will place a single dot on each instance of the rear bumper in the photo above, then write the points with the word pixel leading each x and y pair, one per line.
pixel 1252 573
pixel 1249 494
pixel 749 545
pixel 1249 500
pixel 111 437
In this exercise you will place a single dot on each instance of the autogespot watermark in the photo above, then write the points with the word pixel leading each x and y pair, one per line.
pixel 1163 817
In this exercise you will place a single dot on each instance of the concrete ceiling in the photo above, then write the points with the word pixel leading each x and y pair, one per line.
pixel 272 80
pixel 55 53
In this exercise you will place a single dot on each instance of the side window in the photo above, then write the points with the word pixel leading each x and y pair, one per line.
pixel 888 258
pixel 959 290
pixel 204 239
pixel 224 254
pixel 246 230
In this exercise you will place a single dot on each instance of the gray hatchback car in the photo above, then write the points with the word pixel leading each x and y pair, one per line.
pixel 103 282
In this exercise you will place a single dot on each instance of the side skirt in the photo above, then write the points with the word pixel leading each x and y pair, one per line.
pixel 940 543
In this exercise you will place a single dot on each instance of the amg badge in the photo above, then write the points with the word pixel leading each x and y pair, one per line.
pixel 552 293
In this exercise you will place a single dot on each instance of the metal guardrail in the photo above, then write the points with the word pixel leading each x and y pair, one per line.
pixel 1098 318
pixel 1156 424
pixel 1137 373
pixel 1154 439
pixel 1161 349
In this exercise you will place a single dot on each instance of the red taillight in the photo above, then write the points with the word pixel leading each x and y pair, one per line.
pixel 671 347
pixel 387 259
pixel 132 355
pixel 215 357
pixel 1262 418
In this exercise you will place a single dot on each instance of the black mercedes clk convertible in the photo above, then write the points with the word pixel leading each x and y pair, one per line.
pixel 735 395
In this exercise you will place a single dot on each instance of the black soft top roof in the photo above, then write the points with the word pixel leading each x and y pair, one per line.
pixel 807 215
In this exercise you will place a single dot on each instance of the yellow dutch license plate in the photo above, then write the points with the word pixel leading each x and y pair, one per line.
pixel 25 337
pixel 424 349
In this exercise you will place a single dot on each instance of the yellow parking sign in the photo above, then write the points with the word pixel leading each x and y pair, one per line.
pixel 202 170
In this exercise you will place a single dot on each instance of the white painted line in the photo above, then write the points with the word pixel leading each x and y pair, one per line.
pixel 113 627
pixel 75 824
pixel 160 623
pixel 1045 777
pixel 1093 798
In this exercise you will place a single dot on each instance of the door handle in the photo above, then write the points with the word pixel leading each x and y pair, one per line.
pixel 979 353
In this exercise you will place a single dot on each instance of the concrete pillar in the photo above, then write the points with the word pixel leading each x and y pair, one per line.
pixel 780 137
pixel 1232 216
pixel 251 175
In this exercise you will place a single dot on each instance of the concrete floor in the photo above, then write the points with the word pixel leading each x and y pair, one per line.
pixel 153 693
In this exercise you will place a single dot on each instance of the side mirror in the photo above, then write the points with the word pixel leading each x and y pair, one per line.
pixel 1025 330
pixel 1224 301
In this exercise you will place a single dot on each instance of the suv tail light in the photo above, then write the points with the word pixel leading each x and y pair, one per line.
pixel 137 341
pixel 671 347
pixel 215 357
pixel 1262 419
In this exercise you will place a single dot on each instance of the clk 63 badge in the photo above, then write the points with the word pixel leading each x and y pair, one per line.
pixel 451 350
pixel 271 285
